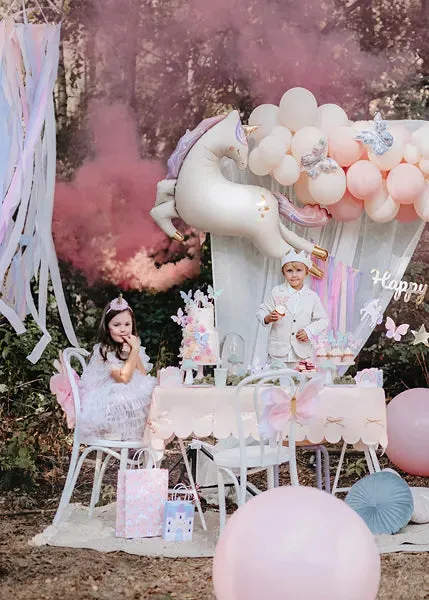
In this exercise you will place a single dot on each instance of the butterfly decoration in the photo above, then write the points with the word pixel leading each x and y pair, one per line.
pixel 179 319
pixel 187 298
pixel 380 139
pixel 318 162
pixel 212 294
pixel 395 332
pixel 202 339
pixel 280 406
pixel 331 337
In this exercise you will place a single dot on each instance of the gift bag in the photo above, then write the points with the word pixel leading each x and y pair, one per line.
pixel 179 516
pixel 141 496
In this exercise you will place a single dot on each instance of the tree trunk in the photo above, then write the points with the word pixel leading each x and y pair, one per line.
pixel 62 98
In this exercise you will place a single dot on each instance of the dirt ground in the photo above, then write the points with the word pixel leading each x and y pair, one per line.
pixel 48 573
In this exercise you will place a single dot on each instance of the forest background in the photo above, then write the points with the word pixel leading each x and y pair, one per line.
pixel 133 76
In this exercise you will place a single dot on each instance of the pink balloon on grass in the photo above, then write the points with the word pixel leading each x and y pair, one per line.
pixel 406 213
pixel 408 431
pixel 296 543
pixel 405 183
pixel 347 209
pixel 328 188
pixel 363 179
pixel 343 147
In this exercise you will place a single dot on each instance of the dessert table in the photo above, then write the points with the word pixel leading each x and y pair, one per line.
pixel 353 414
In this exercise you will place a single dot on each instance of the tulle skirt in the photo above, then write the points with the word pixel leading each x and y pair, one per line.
pixel 117 410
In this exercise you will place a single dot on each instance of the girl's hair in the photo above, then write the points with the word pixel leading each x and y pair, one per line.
pixel 107 343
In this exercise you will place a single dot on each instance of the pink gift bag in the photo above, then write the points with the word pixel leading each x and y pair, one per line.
pixel 141 496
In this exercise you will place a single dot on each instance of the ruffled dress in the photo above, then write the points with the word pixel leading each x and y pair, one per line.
pixel 110 409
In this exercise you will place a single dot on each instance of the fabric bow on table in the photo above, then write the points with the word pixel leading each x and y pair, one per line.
pixel 280 407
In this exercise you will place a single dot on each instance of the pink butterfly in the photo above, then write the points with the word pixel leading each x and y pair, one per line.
pixel 395 332
pixel 280 407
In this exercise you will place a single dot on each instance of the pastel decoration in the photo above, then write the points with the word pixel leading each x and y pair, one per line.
pixel 302 191
pixel 421 205
pixel 287 172
pixel 380 207
pixel 328 188
pixel 347 209
pixel 343 147
pixel 266 116
pixel 407 430
pixel 369 378
pixel 297 109
pixel 424 166
pixel 377 138
pixel 305 140
pixel 405 183
pixel 406 213
pixel 383 500
pixel 296 542
pixel 257 165
pixel 284 134
pixel 330 117
pixel 420 134
pixel 271 150
pixel 423 146
pixel 59 385
pixel 363 179
pixel 390 158
pixel 411 154
pixel 395 332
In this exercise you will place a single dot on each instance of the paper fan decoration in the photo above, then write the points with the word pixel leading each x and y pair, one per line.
pixel 383 500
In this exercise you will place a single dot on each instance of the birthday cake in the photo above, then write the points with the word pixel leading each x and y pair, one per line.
pixel 200 340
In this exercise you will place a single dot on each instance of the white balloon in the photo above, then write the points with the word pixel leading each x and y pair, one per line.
pixel 389 159
pixel 283 133
pixel 424 166
pixel 267 117
pixel 329 117
pixel 423 146
pixel 287 172
pixel 297 108
pixel 302 191
pixel 271 151
pixel 381 207
pixel 420 134
pixel 411 154
pixel 304 141
pixel 257 165
pixel 422 204
pixel 328 188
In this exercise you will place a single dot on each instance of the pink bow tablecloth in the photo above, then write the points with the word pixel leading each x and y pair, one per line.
pixel 349 413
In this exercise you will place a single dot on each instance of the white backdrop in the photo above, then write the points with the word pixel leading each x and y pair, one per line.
pixel 246 277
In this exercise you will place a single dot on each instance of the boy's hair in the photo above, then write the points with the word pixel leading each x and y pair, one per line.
pixel 107 343
pixel 294 263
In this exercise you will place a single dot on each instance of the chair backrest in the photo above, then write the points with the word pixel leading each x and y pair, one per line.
pixel 68 355
pixel 260 380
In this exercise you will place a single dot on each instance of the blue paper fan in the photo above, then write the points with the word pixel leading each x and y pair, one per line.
pixel 383 500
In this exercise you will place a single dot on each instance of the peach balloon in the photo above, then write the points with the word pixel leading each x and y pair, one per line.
pixel 302 191
pixel 421 205
pixel 287 172
pixel 271 150
pixel 405 183
pixel 347 209
pixel 328 188
pixel 381 207
pixel 256 164
pixel 304 141
pixel 406 213
pixel 424 166
pixel 283 134
pixel 423 146
pixel 267 117
pixel 330 117
pixel 389 159
pixel 363 179
pixel 343 147
pixel 297 108
pixel 411 154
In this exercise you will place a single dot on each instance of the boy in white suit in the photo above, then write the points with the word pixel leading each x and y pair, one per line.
pixel 294 312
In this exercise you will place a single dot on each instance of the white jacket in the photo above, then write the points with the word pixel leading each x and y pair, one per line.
pixel 304 310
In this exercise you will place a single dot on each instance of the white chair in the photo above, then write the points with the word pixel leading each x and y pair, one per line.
pixel 244 460
pixel 105 449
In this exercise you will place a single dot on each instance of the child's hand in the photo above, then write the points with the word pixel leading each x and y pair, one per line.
pixel 301 336
pixel 272 317
pixel 132 341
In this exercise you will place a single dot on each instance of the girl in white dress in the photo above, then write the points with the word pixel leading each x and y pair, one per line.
pixel 115 388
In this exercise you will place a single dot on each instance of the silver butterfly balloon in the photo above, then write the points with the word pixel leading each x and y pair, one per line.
pixel 380 139
pixel 318 162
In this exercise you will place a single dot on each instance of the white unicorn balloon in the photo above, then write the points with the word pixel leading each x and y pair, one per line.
pixel 196 191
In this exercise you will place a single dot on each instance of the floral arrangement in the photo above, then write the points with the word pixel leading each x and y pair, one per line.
pixel 195 348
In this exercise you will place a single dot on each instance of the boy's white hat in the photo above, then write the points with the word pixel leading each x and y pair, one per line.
pixel 294 256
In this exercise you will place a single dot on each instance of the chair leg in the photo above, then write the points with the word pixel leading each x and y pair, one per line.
pixel 319 469
pixel 270 478
pixel 222 501
pixel 326 468
pixel 68 488
pixel 338 472
pixel 96 486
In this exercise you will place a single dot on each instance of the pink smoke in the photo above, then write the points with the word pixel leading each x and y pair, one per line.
pixel 101 220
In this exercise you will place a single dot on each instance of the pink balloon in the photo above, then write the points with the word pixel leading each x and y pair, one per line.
pixel 302 191
pixel 296 543
pixel 363 179
pixel 406 213
pixel 405 183
pixel 347 209
pixel 343 147
pixel 408 431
